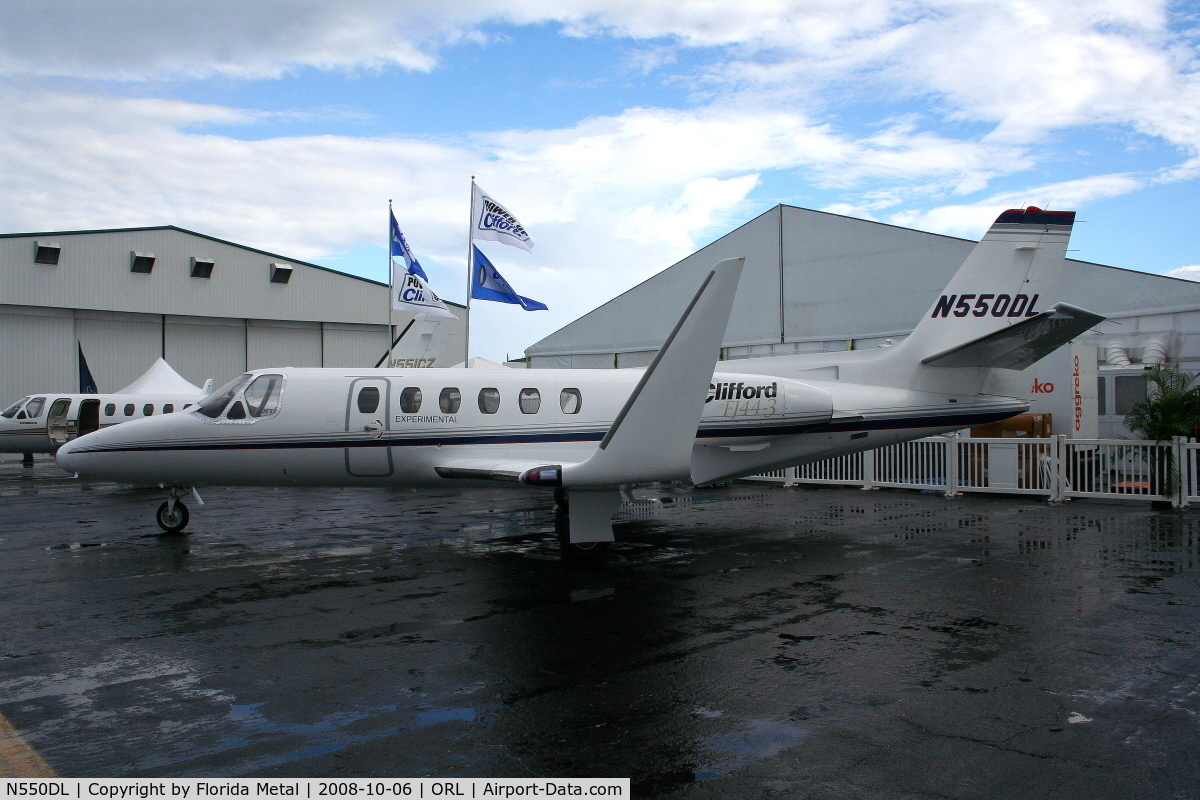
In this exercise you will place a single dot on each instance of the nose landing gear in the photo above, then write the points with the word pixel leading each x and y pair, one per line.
pixel 173 515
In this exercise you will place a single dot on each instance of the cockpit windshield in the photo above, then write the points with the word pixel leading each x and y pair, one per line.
pixel 215 403
pixel 12 410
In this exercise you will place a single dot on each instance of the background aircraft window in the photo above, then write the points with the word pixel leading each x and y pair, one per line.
pixel 12 410
pixel 262 396
pixel 450 400
pixel 148 409
pixel 168 408
pixel 489 400
pixel 215 403
pixel 410 400
pixel 570 401
pixel 129 409
pixel 236 411
pixel 34 409
pixel 110 409
pixel 530 400
pixel 368 399
pixel 187 405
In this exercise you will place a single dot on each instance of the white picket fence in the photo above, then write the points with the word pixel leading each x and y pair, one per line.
pixel 1056 468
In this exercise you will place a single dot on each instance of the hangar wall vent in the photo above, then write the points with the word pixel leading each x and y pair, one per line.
pixel 202 266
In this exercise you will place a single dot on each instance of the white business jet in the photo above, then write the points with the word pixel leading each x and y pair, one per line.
pixel 41 423
pixel 589 433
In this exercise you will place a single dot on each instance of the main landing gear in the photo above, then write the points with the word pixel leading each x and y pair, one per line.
pixel 173 515
pixel 582 551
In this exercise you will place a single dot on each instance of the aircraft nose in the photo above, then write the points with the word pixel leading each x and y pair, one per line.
pixel 67 456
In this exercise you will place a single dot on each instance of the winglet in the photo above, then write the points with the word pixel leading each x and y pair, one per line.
pixel 652 437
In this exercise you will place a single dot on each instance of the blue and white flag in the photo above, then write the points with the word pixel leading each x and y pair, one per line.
pixel 409 293
pixel 491 221
pixel 488 284
pixel 400 249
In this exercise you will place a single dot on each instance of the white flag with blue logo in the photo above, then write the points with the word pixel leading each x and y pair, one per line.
pixel 488 284
pixel 409 293
pixel 491 221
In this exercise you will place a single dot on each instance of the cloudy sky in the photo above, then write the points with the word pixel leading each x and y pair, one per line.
pixel 624 134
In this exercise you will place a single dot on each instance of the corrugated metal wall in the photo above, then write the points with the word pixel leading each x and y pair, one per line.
pixel 38 351
pixel 283 344
pixel 205 328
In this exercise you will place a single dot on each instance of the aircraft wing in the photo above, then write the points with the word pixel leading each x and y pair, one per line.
pixel 480 469
pixel 1018 346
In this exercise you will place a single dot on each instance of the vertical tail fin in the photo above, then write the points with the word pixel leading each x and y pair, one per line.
pixel 1010 276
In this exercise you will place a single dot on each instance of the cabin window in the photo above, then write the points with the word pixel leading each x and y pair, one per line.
pixel 450 400
pixel 12 410
pixel 168 408
pixel 489 400
pixel 236 411
pixel 570 401
pixel 148 410
pixel 129 409
pixel 410 400
pixel 110 409
pixel 215 403
pixel 368 399
pixel 34 409
pixel 186 406
pixel 530 400
pixel 262 395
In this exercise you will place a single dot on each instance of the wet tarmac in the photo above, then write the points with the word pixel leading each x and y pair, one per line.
pixel 748 641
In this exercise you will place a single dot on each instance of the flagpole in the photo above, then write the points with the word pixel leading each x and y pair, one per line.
pixel 391 288
pixel 470 276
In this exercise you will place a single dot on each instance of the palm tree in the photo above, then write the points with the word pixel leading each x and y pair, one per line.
pixel 1171 408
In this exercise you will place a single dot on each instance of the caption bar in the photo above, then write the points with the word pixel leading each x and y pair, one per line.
pixel 417 788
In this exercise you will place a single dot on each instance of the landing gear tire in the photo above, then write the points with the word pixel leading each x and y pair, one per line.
pixel 585 551
pixel 172 520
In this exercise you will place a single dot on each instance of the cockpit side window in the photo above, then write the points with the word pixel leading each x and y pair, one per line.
pixel 215 403
pixel 262 396
pixel 12 410
pixel 34 409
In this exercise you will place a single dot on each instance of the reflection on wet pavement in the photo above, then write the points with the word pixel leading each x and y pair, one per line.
pixel 743 641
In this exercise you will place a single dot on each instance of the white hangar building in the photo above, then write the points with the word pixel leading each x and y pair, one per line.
pixel 211 308
pixel 816 281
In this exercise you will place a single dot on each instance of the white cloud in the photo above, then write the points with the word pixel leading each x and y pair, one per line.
pixel 1190 272
pixel 609 201
pixel 972 220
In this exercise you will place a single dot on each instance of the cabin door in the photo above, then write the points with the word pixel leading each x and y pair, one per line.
pixel 89 417
pixel 56 421
pixel 366 428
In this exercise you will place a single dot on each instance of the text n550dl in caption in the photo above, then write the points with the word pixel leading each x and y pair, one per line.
pixel 415 788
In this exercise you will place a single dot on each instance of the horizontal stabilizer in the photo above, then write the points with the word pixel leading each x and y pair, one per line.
pixel 1019 345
